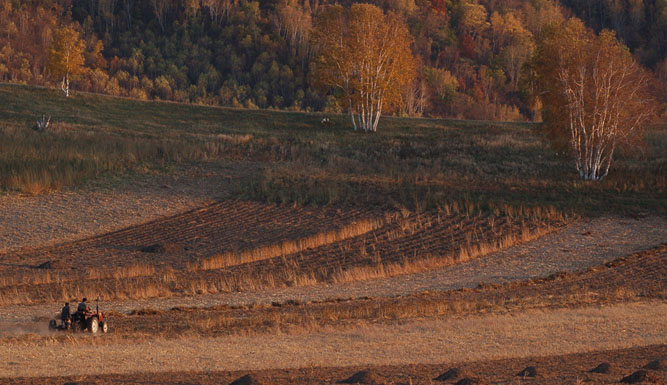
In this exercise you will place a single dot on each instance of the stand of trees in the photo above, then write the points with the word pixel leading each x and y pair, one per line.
pixel 596 96
pixel 364 55
pixel 472 55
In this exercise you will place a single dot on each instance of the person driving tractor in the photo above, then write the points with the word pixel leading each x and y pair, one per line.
pixel 83 306
pixel 82 310
pixel 83 319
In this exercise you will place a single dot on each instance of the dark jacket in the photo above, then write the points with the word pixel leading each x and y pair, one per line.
pixel 64 313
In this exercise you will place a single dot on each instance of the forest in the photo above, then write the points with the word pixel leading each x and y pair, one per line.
pixel 474 57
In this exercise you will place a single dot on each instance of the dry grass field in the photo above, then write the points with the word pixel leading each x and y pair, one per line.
pixel 223 242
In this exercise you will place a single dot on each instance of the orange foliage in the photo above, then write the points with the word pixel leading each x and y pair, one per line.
pixel 596 97
pixel 25 34
pixel 366 55
pixel 66 56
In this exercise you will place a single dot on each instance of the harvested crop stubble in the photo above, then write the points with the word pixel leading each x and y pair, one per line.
pixel 359 250
pixel 640 276
pixel 189 240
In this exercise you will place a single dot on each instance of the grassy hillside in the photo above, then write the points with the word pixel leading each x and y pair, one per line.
pixel 419 164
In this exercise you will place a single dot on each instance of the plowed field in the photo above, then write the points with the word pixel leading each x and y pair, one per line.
pixel 626 295
pixel 640 276
pixel 229 226
pixel 233 245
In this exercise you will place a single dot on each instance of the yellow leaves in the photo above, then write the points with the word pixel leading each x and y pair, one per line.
pixel 294 22
pixel 364 53
pixel 561 47
pixel 509 29
pixel 474 16
pixel 5 6
pixel 402 6
pixel 512 25
pixel 497 25
pixel 66 53
pixel 442 81
pixel 10 28
pixel 66 56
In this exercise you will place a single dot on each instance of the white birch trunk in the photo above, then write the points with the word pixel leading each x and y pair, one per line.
pixel 64 86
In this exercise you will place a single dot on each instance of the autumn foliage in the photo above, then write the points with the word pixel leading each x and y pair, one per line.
pixel 66 58
pixel 596 97
pixel 365 55
pixel 472 55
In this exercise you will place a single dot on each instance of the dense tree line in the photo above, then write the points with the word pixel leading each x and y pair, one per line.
pixel 473 56
pixel 640 24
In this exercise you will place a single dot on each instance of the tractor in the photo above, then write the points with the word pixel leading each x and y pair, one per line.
pixel 91 321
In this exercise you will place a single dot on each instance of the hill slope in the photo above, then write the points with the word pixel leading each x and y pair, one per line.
pixel 419 164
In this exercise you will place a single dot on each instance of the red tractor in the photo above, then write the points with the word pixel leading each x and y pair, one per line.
pixel 92 321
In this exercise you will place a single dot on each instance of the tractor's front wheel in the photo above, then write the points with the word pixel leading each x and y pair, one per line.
pixel 93 325
pixel 104 326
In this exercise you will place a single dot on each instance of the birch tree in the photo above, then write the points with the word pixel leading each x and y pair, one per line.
pixel 66 60
pixel 294 22
pixel 518 47
pixel 161 9
pixel 595 95
pixel 219 10
pixel 365 55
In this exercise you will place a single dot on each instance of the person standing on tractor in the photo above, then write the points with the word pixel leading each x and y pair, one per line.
pixel 64 315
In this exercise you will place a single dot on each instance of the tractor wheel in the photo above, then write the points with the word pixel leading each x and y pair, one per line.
pixel 93 325
pixel 104 326
pixel 53 325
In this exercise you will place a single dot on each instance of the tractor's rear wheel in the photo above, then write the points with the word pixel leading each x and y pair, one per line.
pixel 93 325
pixel 104 326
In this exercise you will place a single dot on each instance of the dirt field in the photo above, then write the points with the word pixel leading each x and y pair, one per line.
pixel 606 291
pixel 112 204
pixel 551 370
pixel 215 228
pixel 232 246
pixel 377 332
pixel 474 338
pixel 491 314
pixel 638 277
pixel 643 273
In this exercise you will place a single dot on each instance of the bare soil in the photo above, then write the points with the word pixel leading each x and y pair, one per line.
pixel 377 331
pixel 598 241
pixel 109 204
pixel 638 277
pixel 590 285
pixel 174 241
pixel 167 257
pixel 552 370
